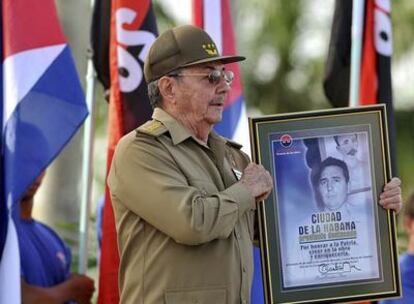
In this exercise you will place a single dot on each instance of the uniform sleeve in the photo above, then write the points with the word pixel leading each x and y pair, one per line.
pixel 145 179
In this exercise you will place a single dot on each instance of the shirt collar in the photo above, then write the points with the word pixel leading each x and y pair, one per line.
pixel 179 133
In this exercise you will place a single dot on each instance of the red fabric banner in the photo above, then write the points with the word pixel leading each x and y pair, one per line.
pixel 132 31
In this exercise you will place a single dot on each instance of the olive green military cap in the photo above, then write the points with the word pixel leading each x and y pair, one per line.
pixel 179 47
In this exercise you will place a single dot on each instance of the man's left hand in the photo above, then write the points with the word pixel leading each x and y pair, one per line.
pixel 391 198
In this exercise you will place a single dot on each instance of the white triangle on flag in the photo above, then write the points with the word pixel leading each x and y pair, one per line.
pixel 21 72
pixel 212 22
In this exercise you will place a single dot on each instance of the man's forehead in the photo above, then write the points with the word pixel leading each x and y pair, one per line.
pixel 332 171
pixel 342 138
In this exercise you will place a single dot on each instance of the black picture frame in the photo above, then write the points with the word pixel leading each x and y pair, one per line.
pixel 323 236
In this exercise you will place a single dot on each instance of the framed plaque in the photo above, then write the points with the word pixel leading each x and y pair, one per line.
pixel 323 235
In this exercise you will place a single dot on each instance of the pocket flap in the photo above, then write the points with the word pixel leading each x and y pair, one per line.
pixel 205 296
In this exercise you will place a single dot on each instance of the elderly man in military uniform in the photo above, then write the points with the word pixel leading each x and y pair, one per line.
pixel 184 198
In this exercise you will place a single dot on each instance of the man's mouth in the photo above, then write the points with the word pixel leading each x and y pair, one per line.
pixel 331 195
pixel 352 152
pixel 217 102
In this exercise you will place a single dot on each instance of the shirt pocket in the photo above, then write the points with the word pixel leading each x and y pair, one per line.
pixel 194 296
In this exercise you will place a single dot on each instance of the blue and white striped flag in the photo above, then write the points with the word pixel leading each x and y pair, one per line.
pixel 43 105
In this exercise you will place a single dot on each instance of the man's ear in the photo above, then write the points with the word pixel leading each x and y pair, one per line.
pixel 166 87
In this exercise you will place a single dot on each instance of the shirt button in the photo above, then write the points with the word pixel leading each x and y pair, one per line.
pixel 237 235
pixel 244 269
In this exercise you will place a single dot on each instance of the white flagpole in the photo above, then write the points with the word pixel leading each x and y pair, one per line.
pixel 356 47
pixel 87 169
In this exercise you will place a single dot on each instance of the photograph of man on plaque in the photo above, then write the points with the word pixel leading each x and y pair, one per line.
pixel 356 159
pixel 325 207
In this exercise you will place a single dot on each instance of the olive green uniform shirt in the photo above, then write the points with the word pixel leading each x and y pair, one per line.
pixel 184 224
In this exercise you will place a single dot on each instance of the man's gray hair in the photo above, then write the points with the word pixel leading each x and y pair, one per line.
pixel 154 94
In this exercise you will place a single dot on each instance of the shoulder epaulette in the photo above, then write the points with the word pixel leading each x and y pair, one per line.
pixel 152 127
pixel 234 144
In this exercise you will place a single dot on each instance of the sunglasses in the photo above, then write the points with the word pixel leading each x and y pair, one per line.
pixel 214 77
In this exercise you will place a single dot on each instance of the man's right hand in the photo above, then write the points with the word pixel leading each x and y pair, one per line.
pixel 82 288
pixel 77 288
pixel 258 180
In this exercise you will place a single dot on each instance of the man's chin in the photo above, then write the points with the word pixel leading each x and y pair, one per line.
pixel 332 207
pixel 215 118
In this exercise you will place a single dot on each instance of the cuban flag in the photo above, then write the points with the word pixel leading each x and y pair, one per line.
pixel 214 16
pixel 43 105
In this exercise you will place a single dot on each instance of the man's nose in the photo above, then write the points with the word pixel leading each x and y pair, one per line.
pixel 223 87
pixel 329 186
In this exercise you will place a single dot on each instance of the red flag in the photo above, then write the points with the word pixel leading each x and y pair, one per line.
pixel 132 31
pixel 375 81
pixel 376 54
pixel 376 57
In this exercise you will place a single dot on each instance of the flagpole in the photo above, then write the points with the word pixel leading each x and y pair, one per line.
pixel 87 169
pixel 356 47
